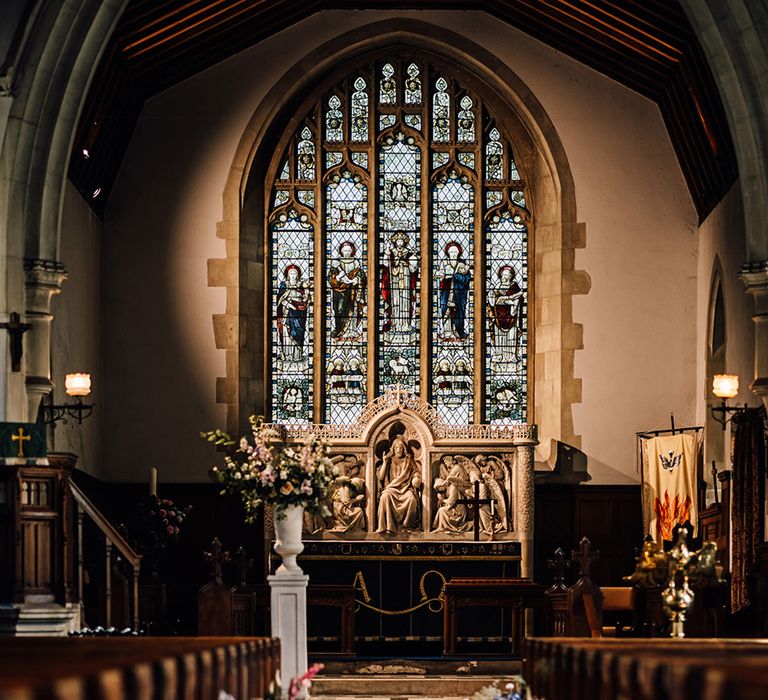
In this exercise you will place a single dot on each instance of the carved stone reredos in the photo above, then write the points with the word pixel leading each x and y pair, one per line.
pixel 359 450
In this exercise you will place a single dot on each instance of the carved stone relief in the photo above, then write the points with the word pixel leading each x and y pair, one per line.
pixel 399 482
pixel 454 484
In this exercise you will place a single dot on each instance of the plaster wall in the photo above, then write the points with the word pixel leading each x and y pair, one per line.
pixel 722 236
pixel 639 356
pixel 76 332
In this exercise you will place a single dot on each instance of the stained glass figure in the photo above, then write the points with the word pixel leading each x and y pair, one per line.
pixel 334 121
pixel 359 118
pixel 346 300
pixel 399 223
pixel 305 156
pixel 506 292
pixel 494 156
pixel 292 270
pixel 387 85
pixel 441 112
pixel 413 86
pixel 453 296
pixel 465 121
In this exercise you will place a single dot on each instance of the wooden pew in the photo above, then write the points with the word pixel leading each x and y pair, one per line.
pixel 188 668
pixel 644 669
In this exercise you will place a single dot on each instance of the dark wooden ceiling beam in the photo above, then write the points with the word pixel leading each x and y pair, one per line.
pixel 646 45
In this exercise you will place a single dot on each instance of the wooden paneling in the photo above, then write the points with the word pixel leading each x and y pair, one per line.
pixel 610 516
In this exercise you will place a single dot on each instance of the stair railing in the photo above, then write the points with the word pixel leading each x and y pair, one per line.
pixel 113 540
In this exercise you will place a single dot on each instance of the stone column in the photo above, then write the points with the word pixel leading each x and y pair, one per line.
pixel 42 279
pixel 525 440
pixel 288 597
pixel 755 278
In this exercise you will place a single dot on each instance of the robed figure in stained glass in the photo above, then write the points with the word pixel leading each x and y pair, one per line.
pixel 398 280
pixel 348 285
pixel 454 277
pixel 505 304
pixel 292 305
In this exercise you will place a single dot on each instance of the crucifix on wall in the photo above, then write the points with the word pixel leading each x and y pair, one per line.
pixel 16 330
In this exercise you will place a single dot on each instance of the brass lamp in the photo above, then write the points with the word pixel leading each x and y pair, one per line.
pixel 725 386
pixel 76 385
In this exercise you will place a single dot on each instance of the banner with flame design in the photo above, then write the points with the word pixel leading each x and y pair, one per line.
pixel 669 483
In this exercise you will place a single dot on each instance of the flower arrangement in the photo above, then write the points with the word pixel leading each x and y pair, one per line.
pixel 163 518
pixel 154 526
pixel 264 470
pixel 513 689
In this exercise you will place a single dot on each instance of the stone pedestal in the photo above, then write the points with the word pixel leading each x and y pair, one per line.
pixel 289 622
pixel 39 620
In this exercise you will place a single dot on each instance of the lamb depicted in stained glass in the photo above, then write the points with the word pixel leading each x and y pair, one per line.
pixel 292 304
pixel 454 277
pixel 398 281
pixel 504 306
pixel 348 282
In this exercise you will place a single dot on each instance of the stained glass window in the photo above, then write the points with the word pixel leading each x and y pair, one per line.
pixel 292 274
pixel 346 257
pixel 399 222
pixel 399 243
pixel 507 333
pixel 441 108
pixel 453 297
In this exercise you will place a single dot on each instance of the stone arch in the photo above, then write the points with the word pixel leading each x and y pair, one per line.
pixel 556 233
pixel 734 37
pixel 715 360
pixel 56 54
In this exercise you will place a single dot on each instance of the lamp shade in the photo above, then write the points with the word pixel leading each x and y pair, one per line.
pixel 725 386
pixel 78 384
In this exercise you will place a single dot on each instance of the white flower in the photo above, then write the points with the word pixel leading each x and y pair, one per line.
pixel 238 475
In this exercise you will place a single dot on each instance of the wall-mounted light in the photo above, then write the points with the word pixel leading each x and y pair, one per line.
pixel 725 386
pixel 77 385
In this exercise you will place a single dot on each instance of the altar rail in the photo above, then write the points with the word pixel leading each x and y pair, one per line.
pixel 566 668
pixel 192 668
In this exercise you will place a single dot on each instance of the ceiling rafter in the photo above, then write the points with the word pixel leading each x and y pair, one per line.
pixel 646 45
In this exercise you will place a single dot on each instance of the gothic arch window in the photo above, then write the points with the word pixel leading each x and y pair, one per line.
pixel 398 222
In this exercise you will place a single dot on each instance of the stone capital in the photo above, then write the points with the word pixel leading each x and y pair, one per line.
pixel 755 278
pixel 42 279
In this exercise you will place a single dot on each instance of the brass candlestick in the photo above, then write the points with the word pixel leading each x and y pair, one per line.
pixel 674 569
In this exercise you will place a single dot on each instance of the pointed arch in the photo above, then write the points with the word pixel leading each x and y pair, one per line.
pixel 552 197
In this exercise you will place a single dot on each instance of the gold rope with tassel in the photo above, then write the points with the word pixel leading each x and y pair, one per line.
pixel 434 604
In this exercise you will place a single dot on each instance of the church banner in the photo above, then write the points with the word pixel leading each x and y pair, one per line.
pixel 669 483
pixel 21 441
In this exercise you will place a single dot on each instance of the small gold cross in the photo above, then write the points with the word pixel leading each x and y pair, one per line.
pixel 21 438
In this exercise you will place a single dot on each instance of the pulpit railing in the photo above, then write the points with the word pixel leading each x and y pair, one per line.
pixel 114 542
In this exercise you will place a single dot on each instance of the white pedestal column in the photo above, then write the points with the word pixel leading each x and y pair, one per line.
pixel 289 622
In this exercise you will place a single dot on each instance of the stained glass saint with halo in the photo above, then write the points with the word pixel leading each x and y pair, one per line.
pixel 398 223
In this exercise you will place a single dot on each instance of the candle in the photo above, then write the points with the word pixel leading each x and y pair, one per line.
pixel 153 481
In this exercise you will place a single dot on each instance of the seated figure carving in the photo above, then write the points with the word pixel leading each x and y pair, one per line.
pixel 451 486
pixel 400 483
